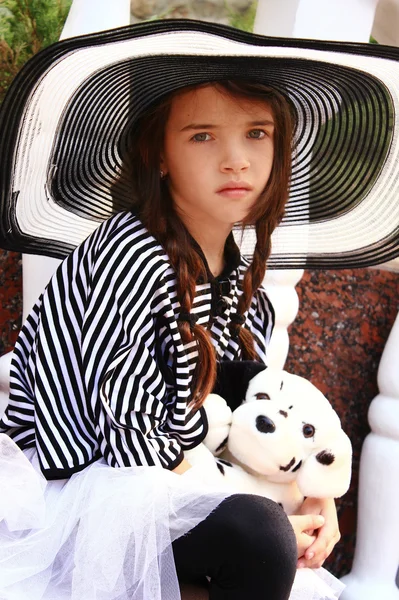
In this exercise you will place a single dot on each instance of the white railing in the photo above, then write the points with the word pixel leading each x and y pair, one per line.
pixel 376 561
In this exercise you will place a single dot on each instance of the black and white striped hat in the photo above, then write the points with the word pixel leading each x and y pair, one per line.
pixel 66 120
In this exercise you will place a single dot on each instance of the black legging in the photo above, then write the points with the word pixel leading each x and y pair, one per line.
pixel 246 546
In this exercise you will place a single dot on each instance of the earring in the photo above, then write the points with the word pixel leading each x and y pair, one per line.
pixel 162 174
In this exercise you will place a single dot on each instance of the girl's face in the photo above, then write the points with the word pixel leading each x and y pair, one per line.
pixel 218 154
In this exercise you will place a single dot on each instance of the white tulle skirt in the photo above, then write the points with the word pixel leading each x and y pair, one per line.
pixel 105 534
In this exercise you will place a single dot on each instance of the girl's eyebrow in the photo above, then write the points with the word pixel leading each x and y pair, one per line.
pixel 265 123
pixel 195 126
pixel 198 126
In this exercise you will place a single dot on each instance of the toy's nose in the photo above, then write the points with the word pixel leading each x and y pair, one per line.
pixel 264 424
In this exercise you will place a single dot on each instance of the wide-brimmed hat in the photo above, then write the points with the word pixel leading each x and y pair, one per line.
pixel 67 118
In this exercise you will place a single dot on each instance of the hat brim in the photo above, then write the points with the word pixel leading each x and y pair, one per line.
pixel 68 116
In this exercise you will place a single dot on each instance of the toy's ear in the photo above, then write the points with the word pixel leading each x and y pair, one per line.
pixel 326 473
pixel 219 418
pixel 233 377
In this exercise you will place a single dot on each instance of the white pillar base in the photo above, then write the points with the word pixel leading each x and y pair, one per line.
pixel 375 565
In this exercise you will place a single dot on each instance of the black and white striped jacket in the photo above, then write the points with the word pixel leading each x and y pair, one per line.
pixel 100 369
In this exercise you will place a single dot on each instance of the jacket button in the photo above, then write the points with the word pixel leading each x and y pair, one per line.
pixel 221 307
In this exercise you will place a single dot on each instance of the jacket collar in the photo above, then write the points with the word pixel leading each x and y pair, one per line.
pixel 232 260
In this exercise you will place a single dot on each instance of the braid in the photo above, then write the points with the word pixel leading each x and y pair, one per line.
pixel 266 213
pixel 253 278
pixel 188 267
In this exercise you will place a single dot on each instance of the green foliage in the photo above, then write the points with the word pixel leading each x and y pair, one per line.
pixel 27 26
pixel 242 20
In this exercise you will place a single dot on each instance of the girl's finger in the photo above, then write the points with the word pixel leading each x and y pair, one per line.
pixel 318 558
pixel 325 541
pixel 303 542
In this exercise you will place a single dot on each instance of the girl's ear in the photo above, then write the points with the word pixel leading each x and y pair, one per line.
pixel 162 167
pixel 162 161
pixel 219 417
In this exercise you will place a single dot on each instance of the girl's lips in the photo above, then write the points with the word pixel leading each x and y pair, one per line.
pixel 233 192
pixel 235 185
pixel 234 189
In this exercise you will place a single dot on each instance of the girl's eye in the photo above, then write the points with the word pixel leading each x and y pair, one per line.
pixel 256 134
pixel 201 137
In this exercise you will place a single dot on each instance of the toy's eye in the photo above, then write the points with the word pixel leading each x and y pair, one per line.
pixel 308 430
pixel 262 396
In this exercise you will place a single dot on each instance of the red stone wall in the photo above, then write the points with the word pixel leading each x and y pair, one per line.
pixel 10 299
pixel 336 341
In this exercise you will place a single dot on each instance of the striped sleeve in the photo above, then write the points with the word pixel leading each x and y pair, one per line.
pixel 132 413
pixel 19 417
pixel 262 323
pixel 86 382
pixel 122 376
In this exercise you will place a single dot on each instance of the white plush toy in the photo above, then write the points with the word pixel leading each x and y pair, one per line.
pixel 283 441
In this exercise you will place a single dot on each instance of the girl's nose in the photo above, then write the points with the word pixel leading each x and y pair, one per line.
pixel 234 162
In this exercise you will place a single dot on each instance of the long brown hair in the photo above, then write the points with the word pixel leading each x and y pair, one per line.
pixel 153 204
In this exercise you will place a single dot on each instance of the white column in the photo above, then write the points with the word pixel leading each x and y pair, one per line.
pixel 280 287
pixel 85 16
pixel 90 16
pixel 375 565
pixel 349 20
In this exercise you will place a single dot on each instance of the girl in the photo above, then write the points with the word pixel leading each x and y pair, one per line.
pixel 118 355
pixel 116 358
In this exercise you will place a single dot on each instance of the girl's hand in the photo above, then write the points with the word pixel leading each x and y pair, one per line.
pixel 326 537
pixel 182 467
pixel 302 525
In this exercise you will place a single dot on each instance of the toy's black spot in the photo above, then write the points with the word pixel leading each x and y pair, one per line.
pixel 225 462
pixel 325 457
pixel 290 407
pixel 289 466
pixel 281 386
pixel 222 445
pixel 282 412
pixel 220 467
pixel 265 425
pixel 298 466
